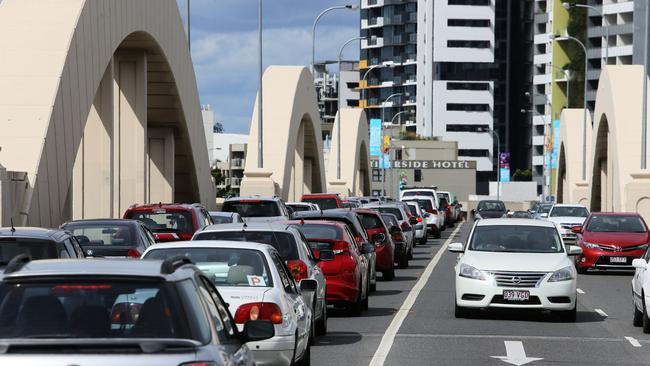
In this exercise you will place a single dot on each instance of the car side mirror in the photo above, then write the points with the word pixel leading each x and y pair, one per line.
pixel 257 330
pixel 291 211
pixel 413 220
pixel 427 215
pixel 577 229
pixel 308 285
pixel 394 229
pixel 639 263
pixel 367 248
pixel 573 250
pixel 456 248
pixel 379 238
pixel 325 255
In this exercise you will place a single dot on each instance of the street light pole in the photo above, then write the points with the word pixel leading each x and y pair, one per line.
pixel 568 6
pixel 363 82
pixel 498 168
pixel 340 109
pixel 392 122
pixel 260 131
pixel 584 117
pixel 383 167
pixel 187 23
pixel 646 68
pixel 313 31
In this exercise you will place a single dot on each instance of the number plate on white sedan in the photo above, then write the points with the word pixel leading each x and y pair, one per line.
pixel 516 295
pixel 618 260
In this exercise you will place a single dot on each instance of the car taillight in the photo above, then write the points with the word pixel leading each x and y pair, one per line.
pixel 419 218
pixel 397 236
pixel 404 225
pixel 258 311
pixel 340 247
pixel 133 253
pixel 298 269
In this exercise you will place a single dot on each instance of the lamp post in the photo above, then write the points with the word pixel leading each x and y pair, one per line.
pixel 392 122
pixel 383 112
pixel 548 167
pixel 646 68
pixel 260 141
pixel 313 30
pixel 568 6
pixel 498 159
pixel 340 108
pixel 187 22
pixel 584 117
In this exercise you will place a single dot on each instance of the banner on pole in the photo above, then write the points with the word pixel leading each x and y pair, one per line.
pixel 375 137
pixel 504 167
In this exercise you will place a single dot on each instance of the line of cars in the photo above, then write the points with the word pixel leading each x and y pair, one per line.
pixel 175 284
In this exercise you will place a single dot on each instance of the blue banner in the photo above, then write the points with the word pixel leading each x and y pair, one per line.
pixel 504 167
pixel 556 143
pixel 384 161
pixel 375 137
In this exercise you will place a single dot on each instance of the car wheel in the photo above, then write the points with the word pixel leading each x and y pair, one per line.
pixel 388 275
pixel 403 262
pixel 646 320
pixel 321 325
pixel 410 254
pixel 450 224
pixel 354 308
pixel 436 234
pixel 460 312
pixel 306 357
pixel 581 270
pixel 423 241
pixel 569 316
pixel 373 287
pixel 637 320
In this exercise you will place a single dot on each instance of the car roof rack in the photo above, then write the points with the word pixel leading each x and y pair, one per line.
pixel 16 263
pixel 171 264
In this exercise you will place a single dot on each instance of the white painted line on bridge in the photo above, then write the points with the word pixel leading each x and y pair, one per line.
pixel 387 340
pixel 633 341
pixel 580 291
pixel 516 337
pixel 601 313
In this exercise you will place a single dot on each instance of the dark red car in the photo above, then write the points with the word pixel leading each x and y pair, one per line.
pixel 385 249
pixel 325 201
pixel 347 275
pixel 170 221
pixel 611 241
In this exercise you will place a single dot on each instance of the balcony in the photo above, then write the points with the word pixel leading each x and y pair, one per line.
pixel 542 38
pixel 544 58
pixel 372 43
pixel 413 38
pixel 542 79
pixel 538 140
pixel 540 120
pixel 237 163
pixel 366 4
pixel 375 22
pixel 538 160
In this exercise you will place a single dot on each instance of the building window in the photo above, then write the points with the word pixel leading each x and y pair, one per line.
pixel 398 154
pixel 468 86
pixel 376 175
pixel 467 128
pixel 477 23
pixel 468 107
pixel 475 153
pixel 469 2
pixel 417 175
pixel 468 44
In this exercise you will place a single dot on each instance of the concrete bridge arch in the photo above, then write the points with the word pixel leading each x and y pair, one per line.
pixel 355 163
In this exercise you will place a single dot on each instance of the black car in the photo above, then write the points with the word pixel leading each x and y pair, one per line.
pixel 353 222
pixel 490 209
pixel 396 233
pixel 37 243
pixel 115 238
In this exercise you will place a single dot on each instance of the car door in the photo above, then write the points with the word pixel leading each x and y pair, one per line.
pixel 298 310
pixel 315 272
pixel 362 260
pixel 640 277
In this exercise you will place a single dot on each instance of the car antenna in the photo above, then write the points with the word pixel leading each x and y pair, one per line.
pixel 13 229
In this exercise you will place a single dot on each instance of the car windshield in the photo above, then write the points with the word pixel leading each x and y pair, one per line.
pixel 224 266
pixel 616 224
pixel 253 208
pixel 391 210
pixel 283 242
pixel 163 221
pixel 35 248
pixel 98 234
pixel 325 203
pixel 491 206
pixel 566 211
pixel 91 309
pixel 220 219
pixel 321 231
pixel 516 239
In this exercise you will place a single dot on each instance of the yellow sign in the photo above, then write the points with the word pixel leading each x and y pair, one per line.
pixel 386 144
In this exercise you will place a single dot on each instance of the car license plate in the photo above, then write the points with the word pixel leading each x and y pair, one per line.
pixel 516 295
pixel 618 260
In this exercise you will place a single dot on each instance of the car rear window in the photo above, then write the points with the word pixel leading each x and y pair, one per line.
pixel 413 209
pixel 92 309
pixel 98 234
pixel 284 243
pixel 324 203
pixel 321 231
pixel 224 266
pixel 424 204
pixel 565 211
pixel 164 221
pixel 35 248
pixel 391 210
pixel 253 208
pixel 299 208
pixel 418 193
pixel 221 219
pixel 371 222
pixel 390 220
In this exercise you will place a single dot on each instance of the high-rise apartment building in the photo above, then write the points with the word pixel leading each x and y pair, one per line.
pixel 388 52
pixel 327 84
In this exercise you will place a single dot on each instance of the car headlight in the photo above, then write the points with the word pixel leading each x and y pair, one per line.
pixel 565 274
pixel 477 216
pixel 590 245
pixel 468 271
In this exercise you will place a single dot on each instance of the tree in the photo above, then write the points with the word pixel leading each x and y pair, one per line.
pixel 217 127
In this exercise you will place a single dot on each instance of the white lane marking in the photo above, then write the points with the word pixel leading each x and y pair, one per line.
pixel 501 336
pixel 633 342
pixel 387 340
pixel 601 313
pixel 580 291
pixel 515 354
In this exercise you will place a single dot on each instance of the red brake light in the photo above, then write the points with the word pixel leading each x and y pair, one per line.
pixel 419 218
pixel 259 311
pixel 298 269
pixel 133 253
pixel 340 247
pixel 397 236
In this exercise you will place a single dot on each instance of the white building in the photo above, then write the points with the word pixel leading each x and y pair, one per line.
pixel 208 124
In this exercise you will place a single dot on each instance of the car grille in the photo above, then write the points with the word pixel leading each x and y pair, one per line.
pixel 617 248
pixel 518 279
pixel 498 299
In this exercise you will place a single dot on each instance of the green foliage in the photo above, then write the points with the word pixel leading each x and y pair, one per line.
pixel 577 28
pixel 522 175
pixel 218 180
pixel 412 136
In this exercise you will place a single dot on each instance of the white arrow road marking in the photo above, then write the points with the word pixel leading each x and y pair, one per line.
pixel 515 354
pixel 633 342
pixel 580 291
pixel 601 313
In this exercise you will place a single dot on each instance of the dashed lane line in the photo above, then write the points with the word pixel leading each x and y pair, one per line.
pixel 387 340
pixel 601 313
pixel 580 291
pixel 633 341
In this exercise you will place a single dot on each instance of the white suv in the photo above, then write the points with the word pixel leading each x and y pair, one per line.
pixel 435 217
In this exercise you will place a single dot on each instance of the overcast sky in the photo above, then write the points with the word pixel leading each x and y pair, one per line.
pixel 224 47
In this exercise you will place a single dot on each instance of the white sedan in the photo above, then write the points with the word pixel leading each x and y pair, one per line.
pixel 256 284
pixel 518 264
pixel 641 292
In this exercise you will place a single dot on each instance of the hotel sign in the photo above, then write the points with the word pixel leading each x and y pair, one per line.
pixel 428 164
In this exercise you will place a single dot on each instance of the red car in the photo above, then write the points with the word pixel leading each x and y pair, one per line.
pixel 346 275
pixel 326 201
pixel 611 241
pixel 170 221
pixel 385 249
